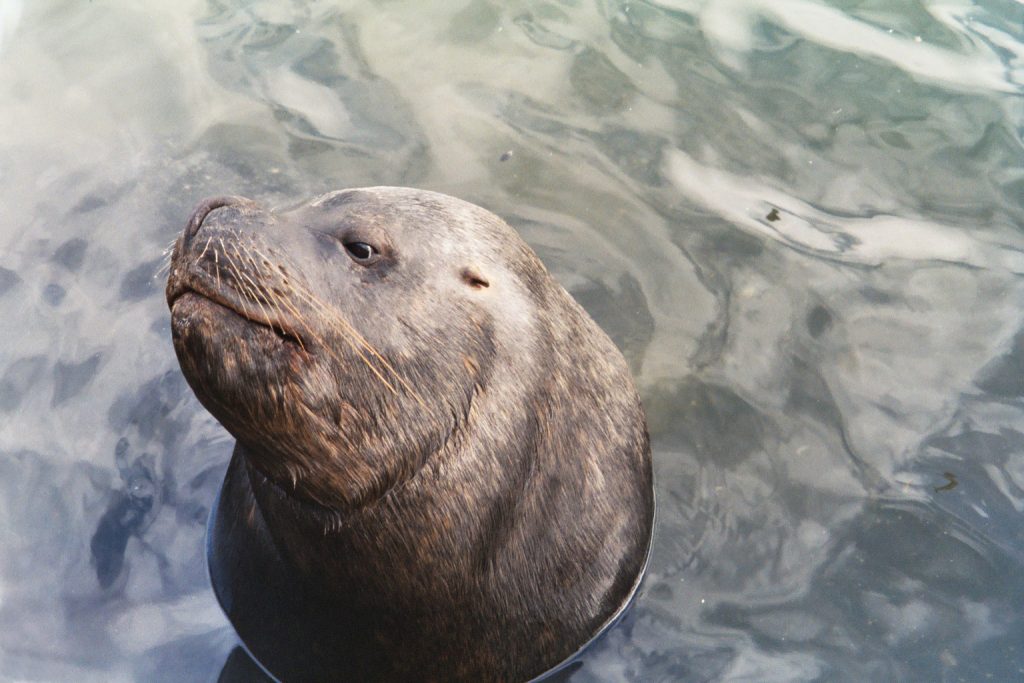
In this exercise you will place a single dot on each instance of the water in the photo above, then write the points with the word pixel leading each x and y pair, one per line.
pixel 800 221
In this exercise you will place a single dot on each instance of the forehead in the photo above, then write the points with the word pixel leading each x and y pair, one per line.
pixel 413 220
pixel 390 209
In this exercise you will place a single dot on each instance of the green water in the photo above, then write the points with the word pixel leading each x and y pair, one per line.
pixel 801 221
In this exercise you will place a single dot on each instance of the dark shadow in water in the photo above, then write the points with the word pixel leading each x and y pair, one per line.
pixel 128 513
pixel 123 518
pixel 69 379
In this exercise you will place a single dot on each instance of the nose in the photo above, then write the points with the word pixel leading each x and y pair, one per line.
pixel 204 209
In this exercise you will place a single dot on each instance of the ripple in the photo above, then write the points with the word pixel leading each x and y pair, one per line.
pixel 870 240
pixel 992 61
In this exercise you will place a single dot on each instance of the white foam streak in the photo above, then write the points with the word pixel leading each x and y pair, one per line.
pixel 746 202
pixel 320 105
pixel 730 27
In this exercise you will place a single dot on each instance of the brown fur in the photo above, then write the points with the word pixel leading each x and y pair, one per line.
pixel 442 469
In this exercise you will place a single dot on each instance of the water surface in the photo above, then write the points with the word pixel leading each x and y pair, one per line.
pixel 801 221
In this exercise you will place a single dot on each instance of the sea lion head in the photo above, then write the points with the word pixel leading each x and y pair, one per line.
pixel 342 341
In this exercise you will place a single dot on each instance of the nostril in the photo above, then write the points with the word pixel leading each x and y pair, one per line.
pixel 204 209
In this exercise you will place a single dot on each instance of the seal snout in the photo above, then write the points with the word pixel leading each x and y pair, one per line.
pixel 205 208
pixel 221 269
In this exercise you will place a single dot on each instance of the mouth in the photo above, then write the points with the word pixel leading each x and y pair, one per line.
pixel 186 300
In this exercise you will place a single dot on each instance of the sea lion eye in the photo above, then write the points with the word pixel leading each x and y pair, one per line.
pixel 361 252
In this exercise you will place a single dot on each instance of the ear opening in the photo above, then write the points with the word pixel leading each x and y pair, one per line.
pixel 474 279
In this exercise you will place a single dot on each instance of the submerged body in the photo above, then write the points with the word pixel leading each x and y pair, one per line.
pixel 442 469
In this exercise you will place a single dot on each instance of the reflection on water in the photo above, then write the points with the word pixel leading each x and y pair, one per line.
pixel 801 221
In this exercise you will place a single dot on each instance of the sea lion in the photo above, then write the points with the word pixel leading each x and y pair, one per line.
pixel 442 468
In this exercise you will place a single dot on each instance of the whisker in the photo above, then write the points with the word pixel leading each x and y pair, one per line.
pixel 166 258
pixel 246 291
pixel 170 246
pixel 354 346
pixel 203 253
pixel 216 266
pixel 335 317
pixel 310 332
pixel 345 334
pixel 275 303
pixel 255 292
pixel 242 289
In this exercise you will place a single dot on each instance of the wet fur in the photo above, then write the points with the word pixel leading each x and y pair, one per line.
pixel 442 469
